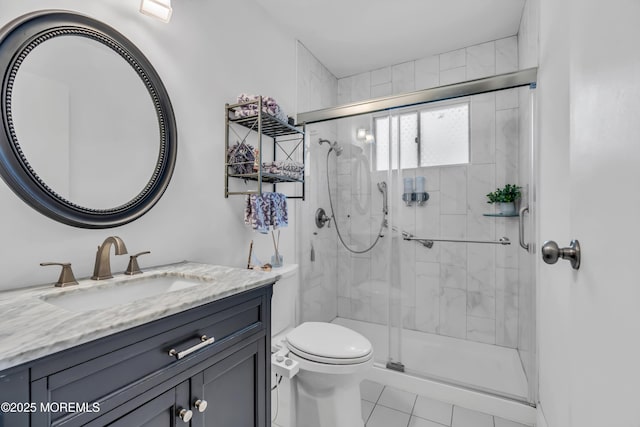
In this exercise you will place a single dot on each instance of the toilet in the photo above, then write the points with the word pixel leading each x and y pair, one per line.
pixel 332 361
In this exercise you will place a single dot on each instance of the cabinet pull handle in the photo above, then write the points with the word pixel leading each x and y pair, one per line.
pixel 185 415
pixel 200 405
pixel 180 354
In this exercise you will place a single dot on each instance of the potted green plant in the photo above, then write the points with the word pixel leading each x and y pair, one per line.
pixel 505 198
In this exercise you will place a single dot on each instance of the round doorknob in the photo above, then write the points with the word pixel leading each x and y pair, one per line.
pixel 185 415
pixel 200 405
pixel 551 252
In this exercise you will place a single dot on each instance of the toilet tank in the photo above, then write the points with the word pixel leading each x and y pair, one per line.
pixel 284 300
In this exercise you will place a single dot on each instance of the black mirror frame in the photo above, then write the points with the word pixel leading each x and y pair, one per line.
pixel 17 39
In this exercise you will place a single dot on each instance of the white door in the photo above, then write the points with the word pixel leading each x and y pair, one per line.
pixel 590 362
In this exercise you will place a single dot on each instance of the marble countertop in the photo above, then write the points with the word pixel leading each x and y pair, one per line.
pixel 32 328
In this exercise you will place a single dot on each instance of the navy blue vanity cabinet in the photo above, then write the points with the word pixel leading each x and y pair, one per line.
pixel 160 411
pixel 14 389
pixel 223 395
pixel 229 390
pixel 135 381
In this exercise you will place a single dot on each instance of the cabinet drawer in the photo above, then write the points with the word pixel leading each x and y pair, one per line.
pixel 147 361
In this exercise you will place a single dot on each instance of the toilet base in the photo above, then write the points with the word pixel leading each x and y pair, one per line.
pixel 329 400
pixel 338 409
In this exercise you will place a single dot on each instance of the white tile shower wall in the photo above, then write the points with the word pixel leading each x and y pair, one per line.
pixel 320 291
pixel 462 290
pixel 528 35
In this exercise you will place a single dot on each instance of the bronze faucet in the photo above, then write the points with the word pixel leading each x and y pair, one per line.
pixel 102 269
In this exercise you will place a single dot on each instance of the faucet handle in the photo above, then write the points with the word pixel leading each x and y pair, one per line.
pixel 133 267
pixel 66 275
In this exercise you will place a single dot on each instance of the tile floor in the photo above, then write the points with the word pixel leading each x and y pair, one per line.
pixel 384 406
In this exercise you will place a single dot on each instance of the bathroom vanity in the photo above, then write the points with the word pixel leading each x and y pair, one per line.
pixel 197 352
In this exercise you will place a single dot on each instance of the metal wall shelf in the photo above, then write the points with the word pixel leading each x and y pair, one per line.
pixel 270 178
pixel 286 139
pixel 271 126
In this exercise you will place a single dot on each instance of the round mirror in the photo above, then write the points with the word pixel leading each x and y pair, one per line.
pixel 89 134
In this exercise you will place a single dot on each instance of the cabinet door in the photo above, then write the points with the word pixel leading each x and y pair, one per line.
pixel 235 390
pixel 161 411
pixel 14 389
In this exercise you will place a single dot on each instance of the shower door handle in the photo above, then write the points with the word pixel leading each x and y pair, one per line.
pixel 524 245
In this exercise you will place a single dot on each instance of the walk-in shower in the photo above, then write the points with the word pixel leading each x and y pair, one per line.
pixel 456 314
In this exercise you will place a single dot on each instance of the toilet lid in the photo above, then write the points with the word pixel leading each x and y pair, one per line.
pixel 329 343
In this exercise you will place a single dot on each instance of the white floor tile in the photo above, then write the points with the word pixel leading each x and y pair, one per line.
pixel 501 422
pixel 367 408
pixel 463 417
pixel 419 422
pixel 397 399
pixel 385 417
pixel 370 390
pixel 433 410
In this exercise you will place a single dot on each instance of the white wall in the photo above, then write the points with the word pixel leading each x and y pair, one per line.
pixel 208 54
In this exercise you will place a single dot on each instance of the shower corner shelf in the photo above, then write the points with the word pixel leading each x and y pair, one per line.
pixel 286 139
pixel 499 215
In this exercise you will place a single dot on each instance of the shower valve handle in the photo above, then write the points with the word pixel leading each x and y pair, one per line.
pixel 322 218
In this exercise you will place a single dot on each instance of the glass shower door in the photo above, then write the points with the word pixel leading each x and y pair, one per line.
pixel 346 183
pixel 461 312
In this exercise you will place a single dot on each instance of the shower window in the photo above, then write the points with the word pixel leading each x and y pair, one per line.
pixel 433 136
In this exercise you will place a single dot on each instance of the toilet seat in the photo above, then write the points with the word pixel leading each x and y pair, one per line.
pixel 329 344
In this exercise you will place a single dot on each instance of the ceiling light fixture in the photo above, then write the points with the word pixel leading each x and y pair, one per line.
pixel 160 9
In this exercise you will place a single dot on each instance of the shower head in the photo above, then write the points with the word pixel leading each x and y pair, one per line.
pixel 334 146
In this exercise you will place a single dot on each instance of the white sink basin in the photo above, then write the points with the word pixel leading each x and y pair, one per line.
pixel 99 296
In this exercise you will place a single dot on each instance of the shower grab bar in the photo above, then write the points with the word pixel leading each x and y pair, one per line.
pixel 524 245
pixel 501 241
